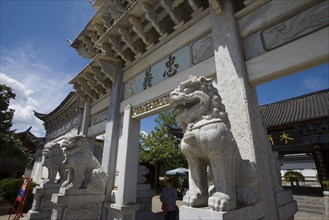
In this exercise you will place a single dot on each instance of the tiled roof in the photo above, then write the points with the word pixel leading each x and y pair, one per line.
pixel 69 98
pixel 302 108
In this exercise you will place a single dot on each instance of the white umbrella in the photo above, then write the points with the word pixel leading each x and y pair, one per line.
pixel 177 171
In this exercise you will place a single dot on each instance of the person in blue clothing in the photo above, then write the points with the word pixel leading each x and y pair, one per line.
pixel 168 198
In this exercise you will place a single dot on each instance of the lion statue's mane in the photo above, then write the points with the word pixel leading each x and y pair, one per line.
pixel 208 142
pixel 84 170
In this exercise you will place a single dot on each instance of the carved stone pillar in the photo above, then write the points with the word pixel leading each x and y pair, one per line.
pixel 86 117
pixel 112 136
pixel 241 104
pixel 128 162
pixel 125 205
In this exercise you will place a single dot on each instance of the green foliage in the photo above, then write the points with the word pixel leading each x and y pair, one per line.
pixel 6 114
pixel 325 184
pixel 10 146
pixel 294 176
pixel 160 145
pixel 9 189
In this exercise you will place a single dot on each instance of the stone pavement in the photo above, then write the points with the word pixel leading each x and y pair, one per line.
pixel 156 208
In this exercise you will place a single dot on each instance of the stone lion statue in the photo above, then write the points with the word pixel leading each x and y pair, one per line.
pixel 53 158
pixel 208 142
pixel 84 170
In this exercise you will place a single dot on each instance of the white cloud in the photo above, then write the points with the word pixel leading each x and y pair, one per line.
pixel 143 133
pixel 37 85
pixel 314 83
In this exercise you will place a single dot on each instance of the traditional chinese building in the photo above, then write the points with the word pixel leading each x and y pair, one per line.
pixel 141 50
pixel 300 125
pixel 65 119
pixel 12 168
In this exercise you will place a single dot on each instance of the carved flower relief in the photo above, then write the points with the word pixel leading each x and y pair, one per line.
pixel 129 89
pixel 152 105
pixel 202 49
pixel 99 117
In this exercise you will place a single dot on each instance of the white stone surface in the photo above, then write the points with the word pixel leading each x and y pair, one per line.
pixel 197 30
pixel 84 170
pixel 300 54
pixel 42 205
pixel 53 158
pixel 250 212
pixel 208 141
pixel 128 160
pixel 269 14
pixel 204 68
pixel 82 207
pixel 240 100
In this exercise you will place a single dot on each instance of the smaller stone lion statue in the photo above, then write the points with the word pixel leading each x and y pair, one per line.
pixel 84 170
pixel 53 158
pixel 208 142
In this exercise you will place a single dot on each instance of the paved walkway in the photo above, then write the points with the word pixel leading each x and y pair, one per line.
pixel 156 208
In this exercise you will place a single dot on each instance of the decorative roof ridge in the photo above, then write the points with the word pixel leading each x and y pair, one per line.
pixel 307 107
pixel 116 21
pixel 95 59
pixel 43 117
pixel 296 98
pixel 75 41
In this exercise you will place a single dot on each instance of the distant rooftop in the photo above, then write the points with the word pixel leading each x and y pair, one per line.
pixel 302 108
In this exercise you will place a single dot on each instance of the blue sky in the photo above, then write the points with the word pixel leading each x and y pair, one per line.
pixel 37 61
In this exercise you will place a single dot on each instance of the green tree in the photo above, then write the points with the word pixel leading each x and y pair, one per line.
pixel 10 146
pixel 294 176
pixel 160 145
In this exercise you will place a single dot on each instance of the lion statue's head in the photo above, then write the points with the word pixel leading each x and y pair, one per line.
pixel 74 144
pixel 52 154
pixel 197 99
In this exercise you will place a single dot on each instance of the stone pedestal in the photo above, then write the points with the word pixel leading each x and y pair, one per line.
pixel 248 212
pixel 286 205
pixel 42 205
pixel 76 204
pixel 121 212
pixel 144 200
pixel 326 202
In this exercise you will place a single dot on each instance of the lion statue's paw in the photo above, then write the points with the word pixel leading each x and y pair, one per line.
pixel 220 202
pixel 194 199
pixel 97 182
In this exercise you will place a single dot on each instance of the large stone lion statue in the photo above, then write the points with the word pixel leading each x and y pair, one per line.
pixel 208 142
pixel 84 170
pixel 53 158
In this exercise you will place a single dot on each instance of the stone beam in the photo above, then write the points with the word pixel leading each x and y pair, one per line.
pixel 217 6
pixel 127 39
pixel 195 5
pixel 116 47
pixel 300 54
pixel 116 9
pixel 138 29
pixel 100 29
pixel 174 17
pixel 152 18
pixel 107 21
pixel 108 69
pixel 99 76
